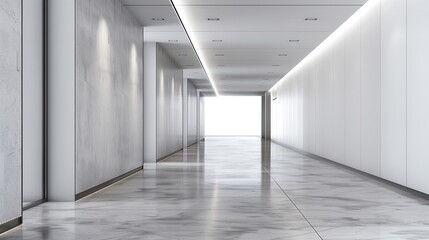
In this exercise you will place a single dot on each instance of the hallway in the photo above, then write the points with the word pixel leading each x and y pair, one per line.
pixel 223 189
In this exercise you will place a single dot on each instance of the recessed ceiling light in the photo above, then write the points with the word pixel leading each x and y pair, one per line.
pixel 213 19
pixel 219 55
pixel 294 40
pixel 217 40
pixel 310 19
pixel 158 19
pixel 282 55
pixel 173 40
pixel 276 65
pixel 183 55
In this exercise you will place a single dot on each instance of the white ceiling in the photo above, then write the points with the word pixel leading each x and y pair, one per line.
pixel 164 32
pixel 253 34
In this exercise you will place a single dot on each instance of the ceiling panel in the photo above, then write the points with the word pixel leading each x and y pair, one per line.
pixel 258 40
pixel 267 18
pixel 269 2
pixel 146 2
pixel 167 30
pixel 254 43
pixel 146 15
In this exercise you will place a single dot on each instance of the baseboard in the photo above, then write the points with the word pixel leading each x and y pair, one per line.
pixel 167 156
pixel 368 175
pixel 10 225
pixel 106 184
pixel 34 204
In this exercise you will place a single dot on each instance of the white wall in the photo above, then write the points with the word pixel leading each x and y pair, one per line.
pixel 33 90
pixel 61 105
pixel 417 95
pixel 360 97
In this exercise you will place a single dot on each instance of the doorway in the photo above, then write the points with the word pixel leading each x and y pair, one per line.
pixel 233 116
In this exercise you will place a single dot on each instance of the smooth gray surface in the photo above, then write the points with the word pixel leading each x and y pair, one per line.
pixel 149 103
pixel 10 110
pixel 61 105
pixel 109 92
pixel 33 90
pixel 169 105
pixel 236 188
pixel 192 114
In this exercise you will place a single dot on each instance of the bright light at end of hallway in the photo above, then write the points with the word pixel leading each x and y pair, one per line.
pixel 233 116
pixel 187 24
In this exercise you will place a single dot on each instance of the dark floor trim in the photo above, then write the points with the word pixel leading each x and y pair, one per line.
pixel 10 225
pixel 106 184
pixel 167 156
pixel 34 204
pixel 379 180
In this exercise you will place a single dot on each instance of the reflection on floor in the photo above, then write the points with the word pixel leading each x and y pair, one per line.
pixel 236 188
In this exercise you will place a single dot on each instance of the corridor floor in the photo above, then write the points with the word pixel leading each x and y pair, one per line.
pixel 236 188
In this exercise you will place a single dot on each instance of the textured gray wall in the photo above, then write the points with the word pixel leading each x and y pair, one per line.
pixel 109 93
pixel 192 113
pixel 169 105
pixel 10 110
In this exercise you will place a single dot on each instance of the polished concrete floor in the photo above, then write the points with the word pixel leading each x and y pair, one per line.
pixel 236 188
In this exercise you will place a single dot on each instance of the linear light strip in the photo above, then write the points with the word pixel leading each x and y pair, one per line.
pixel 328 40
pixel 194 43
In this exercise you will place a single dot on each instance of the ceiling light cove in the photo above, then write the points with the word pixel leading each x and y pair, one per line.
pixel 282 55
pixel 158 19
pixel 184 16
pixel 294 40
pixel 217 41
pixel 208 19
pixel 311 19
pixel 219 55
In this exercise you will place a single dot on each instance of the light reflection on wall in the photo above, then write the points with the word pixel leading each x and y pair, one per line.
pixel 134 78
pixel 103 59
pixel 134 70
